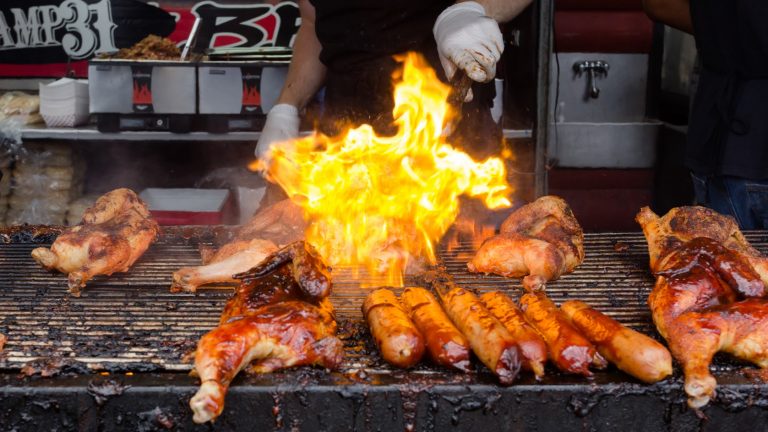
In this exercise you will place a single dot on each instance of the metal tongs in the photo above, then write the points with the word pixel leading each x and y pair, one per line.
pixel 191 40
pixel 460 85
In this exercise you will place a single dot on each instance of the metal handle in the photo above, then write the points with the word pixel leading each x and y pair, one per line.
pixel 593 68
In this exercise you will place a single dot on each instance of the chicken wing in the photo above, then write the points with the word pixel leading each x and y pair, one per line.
pixel 709 294
pixel 279 317
pixel 279 224
pixel 114 233
pixel 542 240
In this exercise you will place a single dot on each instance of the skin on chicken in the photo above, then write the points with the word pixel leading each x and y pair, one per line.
pixel 3 339
pixel 279 317
pixel 709 294
pixel 114 233
pixel 276 280
pixel 683 224
pixel 279 224
pixel 542 240
pixel 275 336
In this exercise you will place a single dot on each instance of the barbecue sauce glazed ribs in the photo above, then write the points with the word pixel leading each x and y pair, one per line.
pixel 113 234
pixel 279 317
pixel 709 294
pixel 542 240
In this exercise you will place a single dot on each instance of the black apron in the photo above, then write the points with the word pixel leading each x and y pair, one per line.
pixel 359 40
pixel 728 130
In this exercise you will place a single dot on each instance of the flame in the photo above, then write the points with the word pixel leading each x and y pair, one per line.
pixel 381 202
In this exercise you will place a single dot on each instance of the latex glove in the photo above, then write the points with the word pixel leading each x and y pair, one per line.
pixel 281 127
pixel 468 39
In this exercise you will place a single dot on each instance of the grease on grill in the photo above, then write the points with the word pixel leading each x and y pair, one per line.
pixel 104 389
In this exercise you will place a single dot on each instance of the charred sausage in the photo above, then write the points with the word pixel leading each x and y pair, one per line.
pixel 532 346
pixel 445 344
pixel 631 351
pixel 398 339
pixel 490 341
pixel 569 350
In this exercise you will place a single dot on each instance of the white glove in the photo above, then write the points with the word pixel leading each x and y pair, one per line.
pixel 468 39
pixel 281 127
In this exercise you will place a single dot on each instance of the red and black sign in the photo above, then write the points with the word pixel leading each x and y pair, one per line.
pixel 50 37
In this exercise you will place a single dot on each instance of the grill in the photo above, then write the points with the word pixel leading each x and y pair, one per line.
pixel 137 335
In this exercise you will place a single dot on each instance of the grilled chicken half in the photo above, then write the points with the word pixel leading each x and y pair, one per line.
pixel 542 240
pixel 279 317
pixel 278 224
pixel 710 292
pixel 113 234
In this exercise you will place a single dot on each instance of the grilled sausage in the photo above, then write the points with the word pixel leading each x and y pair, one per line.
pixel 569 350
pixel 445 344
pixel 490 341
pixel 397 337
pixel 631 351
pixel 532 346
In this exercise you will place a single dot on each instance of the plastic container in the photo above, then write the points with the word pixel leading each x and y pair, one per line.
pixel 187 206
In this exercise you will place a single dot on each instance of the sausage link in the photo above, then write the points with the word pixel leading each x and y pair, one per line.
pixel 631 351
pixel 532 346
pixel 446 345
pixel 490 341
pixel 398 339
pixel 569 350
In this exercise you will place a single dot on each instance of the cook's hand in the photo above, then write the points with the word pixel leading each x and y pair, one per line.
pixel 281 127
pixel 468 39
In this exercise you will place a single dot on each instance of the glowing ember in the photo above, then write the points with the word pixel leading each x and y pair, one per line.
pixel 381 202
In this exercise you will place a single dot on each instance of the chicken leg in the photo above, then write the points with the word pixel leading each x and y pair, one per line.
pixel 114 233
pixel 542 239
pixel 279 224
pixel 709 294
pixel 276 336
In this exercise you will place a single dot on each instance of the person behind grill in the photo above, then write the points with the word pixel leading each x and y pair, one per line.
pixel 349 46
pixel 727 148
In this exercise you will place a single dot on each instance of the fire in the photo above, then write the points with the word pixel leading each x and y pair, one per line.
pixel 381 202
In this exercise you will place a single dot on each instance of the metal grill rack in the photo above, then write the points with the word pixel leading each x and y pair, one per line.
pixel 131 321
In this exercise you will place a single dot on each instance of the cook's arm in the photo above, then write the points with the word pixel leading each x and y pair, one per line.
pixel 305 76
pixel 502 10
pixel 306 73
pixel 674 13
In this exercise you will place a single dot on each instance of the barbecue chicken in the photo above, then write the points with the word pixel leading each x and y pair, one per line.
pixel 279 224
pixel 709 294
pixel 113 234
pixel 541 239
pixel 279 317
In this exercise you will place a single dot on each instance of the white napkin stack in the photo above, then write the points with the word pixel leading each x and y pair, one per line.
pixel 64 103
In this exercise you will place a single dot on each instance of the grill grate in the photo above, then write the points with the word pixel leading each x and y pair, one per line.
pixel 131 322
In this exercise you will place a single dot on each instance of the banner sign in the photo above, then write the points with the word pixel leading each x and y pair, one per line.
pixel 50 38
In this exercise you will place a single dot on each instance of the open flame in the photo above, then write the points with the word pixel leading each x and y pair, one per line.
pixel 381 202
